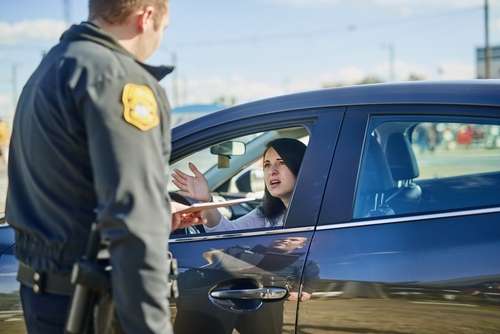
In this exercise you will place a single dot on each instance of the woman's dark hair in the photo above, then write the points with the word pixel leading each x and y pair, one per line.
pixel 291 151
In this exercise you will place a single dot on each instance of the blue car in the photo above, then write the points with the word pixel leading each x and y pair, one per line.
pixel 396 205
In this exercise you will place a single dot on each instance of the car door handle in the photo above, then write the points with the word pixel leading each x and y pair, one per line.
pixel 259 293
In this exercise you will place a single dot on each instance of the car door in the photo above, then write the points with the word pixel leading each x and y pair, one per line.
pixel 408 240
pixel 235 280
pixel 12 314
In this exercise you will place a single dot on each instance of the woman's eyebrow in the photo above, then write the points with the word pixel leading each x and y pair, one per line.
pixel 267 160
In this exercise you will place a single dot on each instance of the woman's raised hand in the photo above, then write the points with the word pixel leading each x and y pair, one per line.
pixel 194 187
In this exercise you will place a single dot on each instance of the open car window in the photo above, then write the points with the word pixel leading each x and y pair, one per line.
pixel 236 175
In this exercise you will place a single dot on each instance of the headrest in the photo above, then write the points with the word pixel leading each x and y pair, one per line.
pixel 376 175
pixel 401 157
pixel 243 182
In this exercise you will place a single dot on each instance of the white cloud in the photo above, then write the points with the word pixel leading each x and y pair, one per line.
pixel 344 76
pixel 402 11
pixel 350 74
pixel 446 70
pixel 208 90
pixel 453 70
pixel 402 71
pixel 46 29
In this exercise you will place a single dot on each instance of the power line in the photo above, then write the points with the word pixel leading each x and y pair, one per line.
pixel 318 32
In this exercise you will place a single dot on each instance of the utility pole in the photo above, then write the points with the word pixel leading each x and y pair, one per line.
pixel 392 76
pixel 14 86
pixel 176 80
pixel 487 48
pixel 67 12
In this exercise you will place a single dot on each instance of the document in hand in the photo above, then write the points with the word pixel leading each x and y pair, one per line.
pixel 214 205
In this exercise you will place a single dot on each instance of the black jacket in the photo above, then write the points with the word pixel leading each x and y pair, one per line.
pixel 91 142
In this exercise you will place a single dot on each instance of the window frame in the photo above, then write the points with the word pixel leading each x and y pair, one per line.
pixel 304 209
pixel 339 200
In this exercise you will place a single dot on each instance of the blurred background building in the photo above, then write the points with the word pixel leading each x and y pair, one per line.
pixel 494 63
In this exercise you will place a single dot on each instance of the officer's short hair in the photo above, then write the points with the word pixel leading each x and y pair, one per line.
pixel 118 11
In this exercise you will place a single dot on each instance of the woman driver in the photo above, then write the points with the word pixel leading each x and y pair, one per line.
pixel 282 159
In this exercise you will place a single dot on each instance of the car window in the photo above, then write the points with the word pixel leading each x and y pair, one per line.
pixel 445 150
pixel 432 166
pixel 204 160
pixel 235 175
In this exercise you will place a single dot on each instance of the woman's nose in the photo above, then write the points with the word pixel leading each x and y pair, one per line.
pixel 273 169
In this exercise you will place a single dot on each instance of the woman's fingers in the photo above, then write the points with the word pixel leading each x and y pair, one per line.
pixel 195 170
pixel 195 187
pixel 186 220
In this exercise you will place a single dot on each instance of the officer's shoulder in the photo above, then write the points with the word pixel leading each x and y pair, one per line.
pixel 101 61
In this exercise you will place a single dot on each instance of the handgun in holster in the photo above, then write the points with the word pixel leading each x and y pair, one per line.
pixel 91 280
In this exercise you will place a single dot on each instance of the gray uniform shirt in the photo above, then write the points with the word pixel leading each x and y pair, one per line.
pixel 91 142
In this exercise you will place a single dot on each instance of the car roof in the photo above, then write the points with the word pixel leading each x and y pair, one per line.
pixel 468 92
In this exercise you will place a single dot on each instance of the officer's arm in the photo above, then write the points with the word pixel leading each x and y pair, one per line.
pixel 129 143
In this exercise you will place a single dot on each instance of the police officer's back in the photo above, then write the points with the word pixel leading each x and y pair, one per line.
pixel 90 143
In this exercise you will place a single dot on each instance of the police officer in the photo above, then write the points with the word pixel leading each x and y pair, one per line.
pixel 91 143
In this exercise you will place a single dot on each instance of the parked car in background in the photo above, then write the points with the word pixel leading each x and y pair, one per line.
pixel 396 216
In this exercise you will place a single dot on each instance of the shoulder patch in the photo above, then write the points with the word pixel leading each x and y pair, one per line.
pixel 140 106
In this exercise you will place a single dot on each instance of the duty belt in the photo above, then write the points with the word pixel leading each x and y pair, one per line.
pixel 43 282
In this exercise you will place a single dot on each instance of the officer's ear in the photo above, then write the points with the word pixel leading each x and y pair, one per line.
pixel 145 18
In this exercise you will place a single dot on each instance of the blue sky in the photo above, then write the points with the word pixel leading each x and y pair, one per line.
pixel 252 49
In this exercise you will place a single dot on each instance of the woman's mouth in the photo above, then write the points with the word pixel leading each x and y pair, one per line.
pixel 274 183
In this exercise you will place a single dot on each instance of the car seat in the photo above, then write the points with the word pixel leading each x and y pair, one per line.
pixel 404 169
pixel 374 182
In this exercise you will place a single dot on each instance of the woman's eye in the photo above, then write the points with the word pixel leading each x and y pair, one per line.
pixel 266 165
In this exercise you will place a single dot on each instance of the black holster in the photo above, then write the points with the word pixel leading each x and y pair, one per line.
pixel 92 295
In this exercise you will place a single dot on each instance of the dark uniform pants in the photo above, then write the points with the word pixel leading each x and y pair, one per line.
pixel 44 313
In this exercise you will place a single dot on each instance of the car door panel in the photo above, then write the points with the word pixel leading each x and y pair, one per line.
pixel 437 271
pixel 406 277
pixel 231 264
pixel 235 263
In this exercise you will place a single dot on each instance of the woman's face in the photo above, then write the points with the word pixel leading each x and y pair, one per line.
pixel 280 181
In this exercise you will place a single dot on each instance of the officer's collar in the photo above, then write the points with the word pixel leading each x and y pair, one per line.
pixel 91 32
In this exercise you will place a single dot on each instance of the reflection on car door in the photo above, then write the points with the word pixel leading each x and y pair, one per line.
pixel 236 281
pixel 426 268
pixel 241 283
